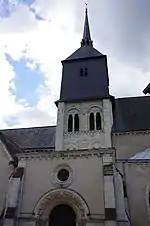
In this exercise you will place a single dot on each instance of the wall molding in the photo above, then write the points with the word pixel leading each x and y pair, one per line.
pixel 130 133
pixel 69 154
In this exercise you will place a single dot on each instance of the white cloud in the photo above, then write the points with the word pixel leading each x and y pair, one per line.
pixel 46 43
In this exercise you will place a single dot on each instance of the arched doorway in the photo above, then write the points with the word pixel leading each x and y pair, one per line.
pixel 62 215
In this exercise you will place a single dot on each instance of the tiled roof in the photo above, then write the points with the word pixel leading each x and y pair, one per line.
pixel 144 155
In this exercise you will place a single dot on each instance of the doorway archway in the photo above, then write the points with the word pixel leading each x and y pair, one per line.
pixel 53 198
pixel 62 215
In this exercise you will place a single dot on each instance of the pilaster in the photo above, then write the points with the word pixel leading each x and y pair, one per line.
pixel 60 127
pixel 13 197
pixel 109 191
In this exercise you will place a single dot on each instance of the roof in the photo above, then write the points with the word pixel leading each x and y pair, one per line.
pixel 147 89
pixel 84 52
pixel 86 33
pixel 144 155
pixel 131 114
pixel 31 138
pixel 10 145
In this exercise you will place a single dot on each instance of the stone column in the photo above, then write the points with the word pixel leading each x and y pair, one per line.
pixel 109 192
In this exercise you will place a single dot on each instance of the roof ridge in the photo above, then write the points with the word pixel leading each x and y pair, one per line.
pixel 34 127
pixel 132 97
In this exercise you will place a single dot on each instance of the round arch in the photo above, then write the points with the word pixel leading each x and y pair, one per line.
pixel 55 197
pixel 62 215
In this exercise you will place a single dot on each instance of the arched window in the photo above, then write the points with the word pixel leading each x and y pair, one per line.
pixel 98 121
pixel 70 123
pixel 92 126
pixel 76 122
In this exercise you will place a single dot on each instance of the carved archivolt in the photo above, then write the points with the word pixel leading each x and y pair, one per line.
pixel 61 196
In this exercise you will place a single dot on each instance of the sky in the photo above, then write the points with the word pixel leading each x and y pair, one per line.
pixel 35 35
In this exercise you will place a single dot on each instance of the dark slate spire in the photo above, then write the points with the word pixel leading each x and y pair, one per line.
pixel 86 50
pixel 86 34
pixel 85 73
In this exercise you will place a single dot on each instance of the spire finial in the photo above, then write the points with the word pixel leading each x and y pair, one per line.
pixel 86 6
pixel 86 34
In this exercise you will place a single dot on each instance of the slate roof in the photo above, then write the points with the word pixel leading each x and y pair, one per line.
pixel 131 114
pixel 31 138
pixel 10 145
pixel 144 155
pixel 147 89
pixel 84 52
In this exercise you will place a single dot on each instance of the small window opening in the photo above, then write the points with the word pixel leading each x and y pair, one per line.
pixel 86 72
pixel 92 127
pixel 81 72
pixel 98 121
pixel 76 122
pixel 70 123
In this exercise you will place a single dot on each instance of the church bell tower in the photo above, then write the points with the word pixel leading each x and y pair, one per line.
pixel 84 118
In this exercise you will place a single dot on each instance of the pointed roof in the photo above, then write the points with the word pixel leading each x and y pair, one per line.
pixel 147 89
pixel 86 50
pixel 86 33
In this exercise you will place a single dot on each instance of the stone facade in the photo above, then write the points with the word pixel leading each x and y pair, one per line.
pixel 130 143
pixel 84 138
pixel 5 172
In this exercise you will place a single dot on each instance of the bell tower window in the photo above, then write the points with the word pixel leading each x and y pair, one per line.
pixel 73 123
pixel 76 122
pixel 70 123
pixel 98 121
pixel 92 126
pixel 81 72
pixel 95 122
pixel 85 72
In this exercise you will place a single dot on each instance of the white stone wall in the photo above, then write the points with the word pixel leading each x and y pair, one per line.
pixel 129 144
pixel 5 172
pixel 87 180
pixel 137 180
pixel 59 128
pixel 84 138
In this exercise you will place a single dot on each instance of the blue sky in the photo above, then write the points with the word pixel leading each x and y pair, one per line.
pixel 7 6
pixel 26 81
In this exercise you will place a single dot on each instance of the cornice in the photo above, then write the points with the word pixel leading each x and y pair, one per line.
pixel 69 154
pixel 130 133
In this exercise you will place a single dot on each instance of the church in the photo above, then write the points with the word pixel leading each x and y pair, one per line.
pixel 93 167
